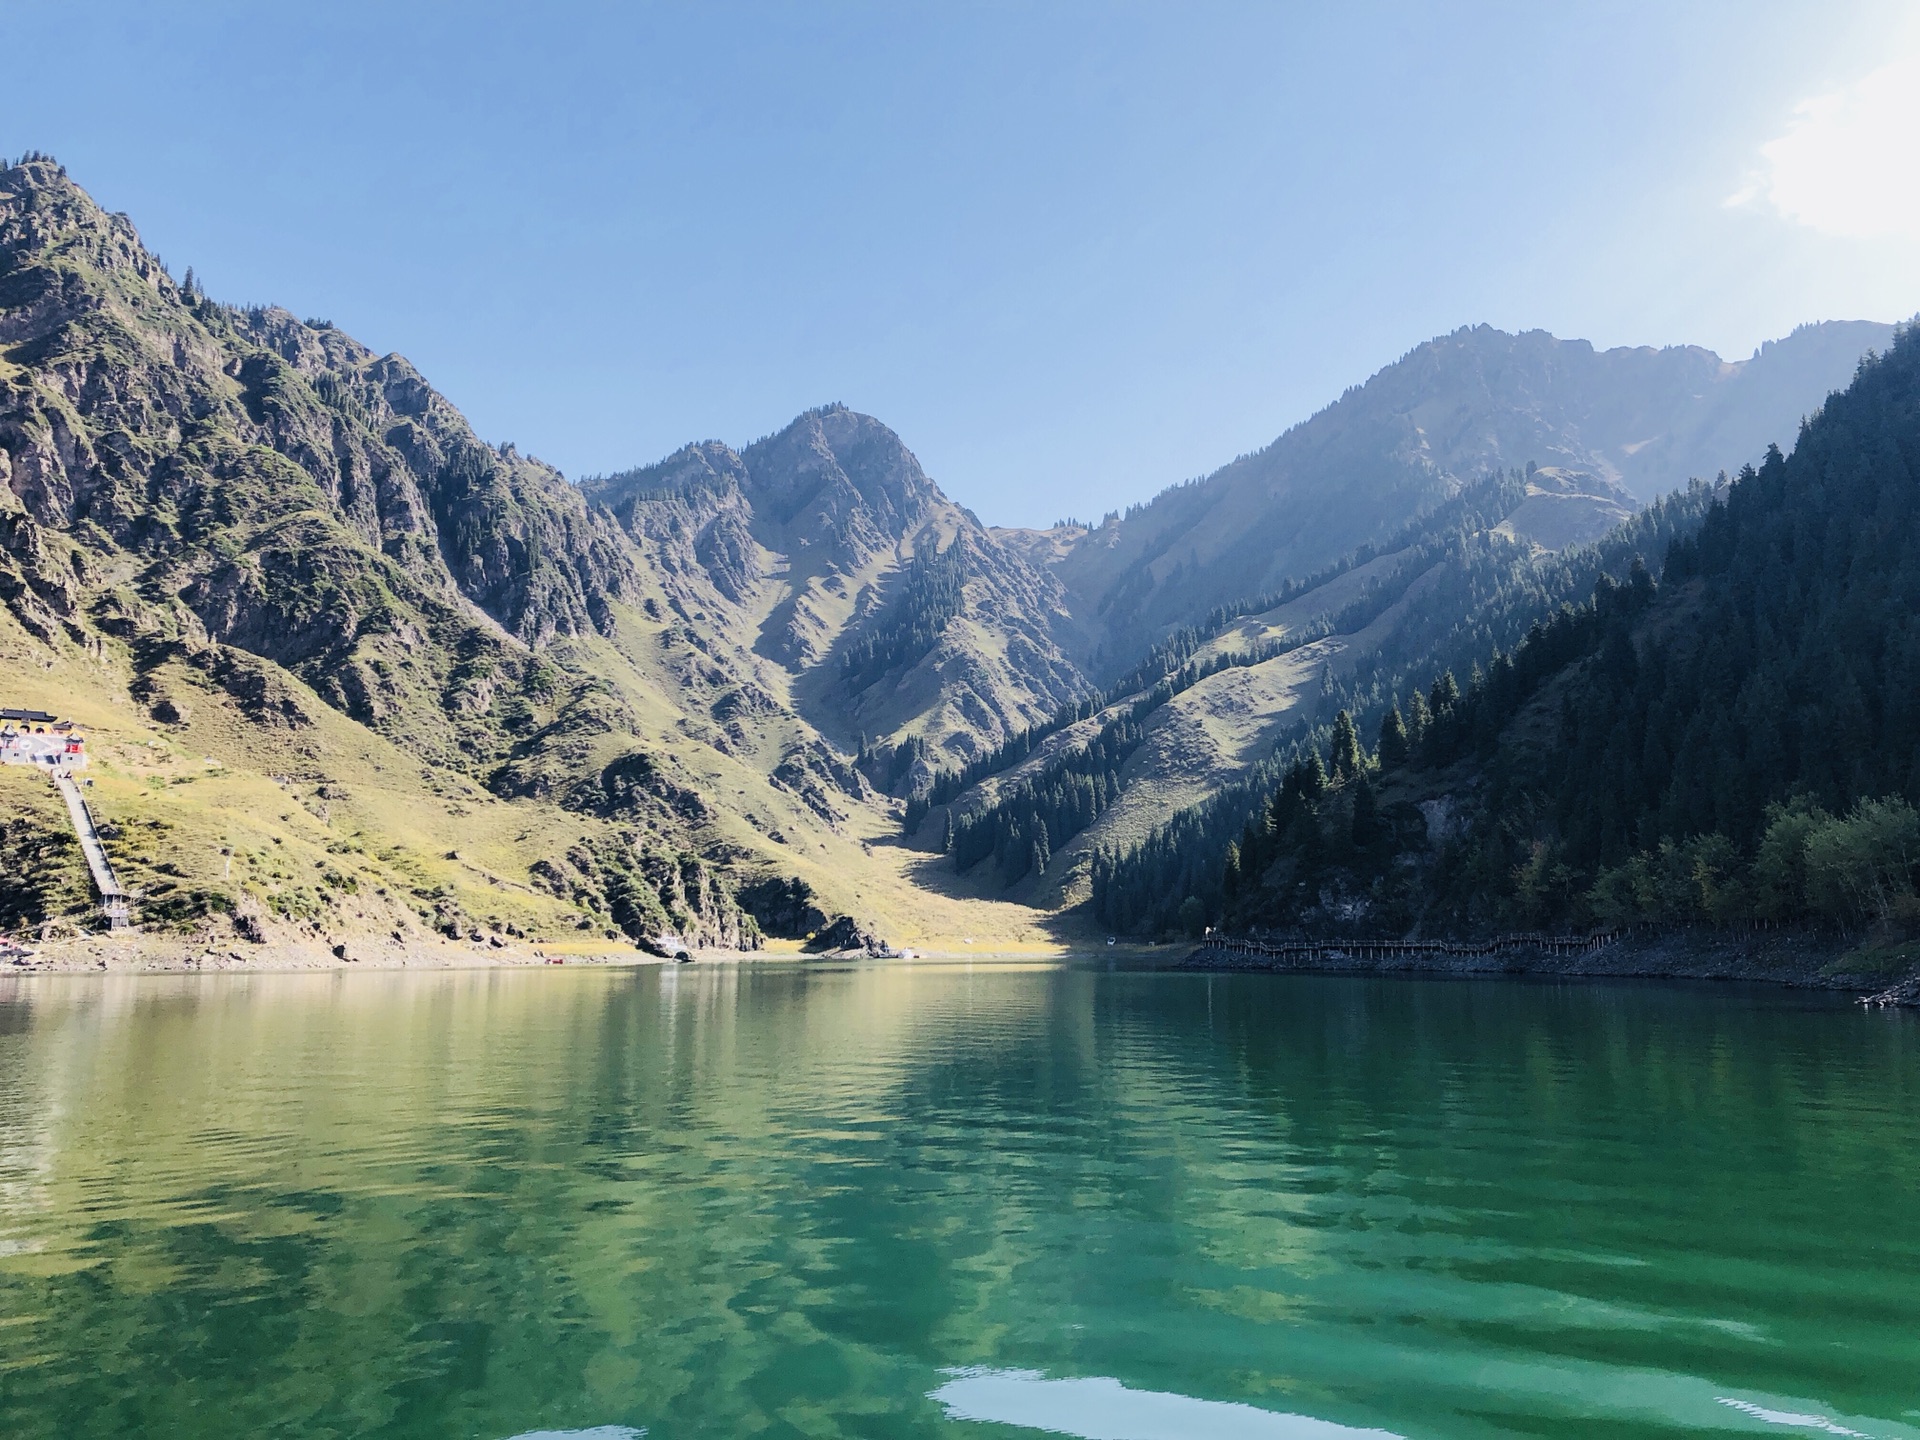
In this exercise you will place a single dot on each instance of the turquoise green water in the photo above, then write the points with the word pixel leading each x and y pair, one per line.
pixel 921 1200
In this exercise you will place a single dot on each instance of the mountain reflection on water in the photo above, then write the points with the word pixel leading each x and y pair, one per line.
pixel 899 1200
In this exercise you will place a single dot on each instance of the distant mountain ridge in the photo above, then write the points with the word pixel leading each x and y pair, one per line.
pixel 1452 410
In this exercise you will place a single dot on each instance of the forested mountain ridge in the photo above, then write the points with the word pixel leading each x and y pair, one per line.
pixel 1452 410
pixel 1736 741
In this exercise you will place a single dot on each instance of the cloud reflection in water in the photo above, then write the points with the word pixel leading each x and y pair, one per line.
pixel 1104 1409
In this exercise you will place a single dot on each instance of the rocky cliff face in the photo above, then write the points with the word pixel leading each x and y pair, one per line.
pixel 181 473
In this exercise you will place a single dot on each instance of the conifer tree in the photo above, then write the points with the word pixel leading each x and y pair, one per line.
pixel 1348 758
pixel 1418 718
pixel 1313 778
pixel 1252 847
pixel 1393 739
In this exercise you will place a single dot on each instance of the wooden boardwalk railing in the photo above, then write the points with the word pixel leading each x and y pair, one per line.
pixel 1316 953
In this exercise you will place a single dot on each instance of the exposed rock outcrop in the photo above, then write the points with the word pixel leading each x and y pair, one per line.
pixel 844 935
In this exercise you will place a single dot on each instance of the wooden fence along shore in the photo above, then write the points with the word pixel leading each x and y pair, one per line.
pixel 1318 953
pixel 1332 954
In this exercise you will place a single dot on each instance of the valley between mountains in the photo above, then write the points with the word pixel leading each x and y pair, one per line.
pixel 359 684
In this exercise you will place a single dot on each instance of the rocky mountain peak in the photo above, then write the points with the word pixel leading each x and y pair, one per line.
pixel 836 476
pixel 43 211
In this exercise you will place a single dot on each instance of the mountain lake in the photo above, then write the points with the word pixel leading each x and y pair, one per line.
pixel 897 1199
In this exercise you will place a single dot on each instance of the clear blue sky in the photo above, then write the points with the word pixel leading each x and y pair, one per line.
pixel 1073 253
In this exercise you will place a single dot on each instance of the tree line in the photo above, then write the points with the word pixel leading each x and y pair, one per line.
pixel 931 594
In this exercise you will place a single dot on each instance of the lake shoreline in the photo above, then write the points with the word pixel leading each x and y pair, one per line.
pixel 137 954
pixel 1797 959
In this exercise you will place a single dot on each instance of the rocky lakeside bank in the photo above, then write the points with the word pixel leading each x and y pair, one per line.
pixel 143 954
pixel 1881 974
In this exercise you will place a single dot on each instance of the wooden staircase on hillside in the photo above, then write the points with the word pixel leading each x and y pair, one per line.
pixel 115 901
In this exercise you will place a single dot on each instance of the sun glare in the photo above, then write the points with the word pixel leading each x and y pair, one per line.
pixel 1848 163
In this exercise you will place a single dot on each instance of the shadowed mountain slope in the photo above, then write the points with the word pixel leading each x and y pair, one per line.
pixel 1209 714
pixel 1737 744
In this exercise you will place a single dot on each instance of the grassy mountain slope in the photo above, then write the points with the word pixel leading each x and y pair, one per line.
pixel 1202 737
